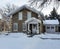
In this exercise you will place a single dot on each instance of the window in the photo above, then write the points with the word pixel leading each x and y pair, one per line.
pixel 20 16
pixel 24 27
pixel 34 26
pixel 52 27
pixel 11 16
pixel 48 27
pixel 28 15
pixel 15 26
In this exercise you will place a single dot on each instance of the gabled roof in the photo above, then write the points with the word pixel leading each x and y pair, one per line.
pixel 20 8
pixel 50 22
pixel 33 20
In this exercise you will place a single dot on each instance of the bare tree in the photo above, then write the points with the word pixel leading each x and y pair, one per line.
pixel 6 10
pixel 44 3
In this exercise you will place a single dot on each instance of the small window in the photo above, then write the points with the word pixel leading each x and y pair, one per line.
pixel 15 26
pixel 48 27
pixel 52 27
pixel 20 16
pixel 28 15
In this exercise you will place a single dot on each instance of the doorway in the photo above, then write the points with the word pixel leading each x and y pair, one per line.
pixel 33 28
pixel 59 28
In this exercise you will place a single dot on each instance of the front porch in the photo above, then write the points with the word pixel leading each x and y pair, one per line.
pixel 33 26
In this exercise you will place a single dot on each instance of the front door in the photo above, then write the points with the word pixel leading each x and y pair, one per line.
pixel 33 28
pixel 30 27
pixel 59 28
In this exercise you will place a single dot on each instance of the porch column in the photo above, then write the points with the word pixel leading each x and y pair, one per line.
pixel 57 28
pixel 28 28
pixel 54 29
pixel 37 28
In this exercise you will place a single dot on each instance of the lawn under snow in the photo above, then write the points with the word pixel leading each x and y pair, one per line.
pixel 21 41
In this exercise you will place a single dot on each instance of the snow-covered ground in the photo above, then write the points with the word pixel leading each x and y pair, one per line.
pixel 21 41
pixel 47 35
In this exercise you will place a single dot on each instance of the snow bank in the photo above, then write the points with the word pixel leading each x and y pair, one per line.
pixel 46 35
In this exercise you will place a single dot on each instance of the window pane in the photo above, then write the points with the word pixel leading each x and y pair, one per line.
pixel 20 16
pixel 48 27
pixel 52 27
pixel 28 15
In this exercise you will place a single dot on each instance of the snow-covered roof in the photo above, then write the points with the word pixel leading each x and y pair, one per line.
pixel 24 6
pixel 50 22
pixel 34 20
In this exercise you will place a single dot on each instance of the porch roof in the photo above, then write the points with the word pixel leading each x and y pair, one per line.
pixel 50 22
pixel 33 20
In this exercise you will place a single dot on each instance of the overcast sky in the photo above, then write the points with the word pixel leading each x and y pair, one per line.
pixel 16 2
pixel 22 2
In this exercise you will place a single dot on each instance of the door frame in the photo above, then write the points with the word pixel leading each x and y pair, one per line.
pixel 32 27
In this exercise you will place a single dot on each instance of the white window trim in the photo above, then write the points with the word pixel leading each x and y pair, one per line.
pixel 20 16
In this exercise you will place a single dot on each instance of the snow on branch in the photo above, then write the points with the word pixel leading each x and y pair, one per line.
pixel 44 3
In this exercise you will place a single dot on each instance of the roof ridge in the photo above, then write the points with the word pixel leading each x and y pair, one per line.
pixel 24 6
